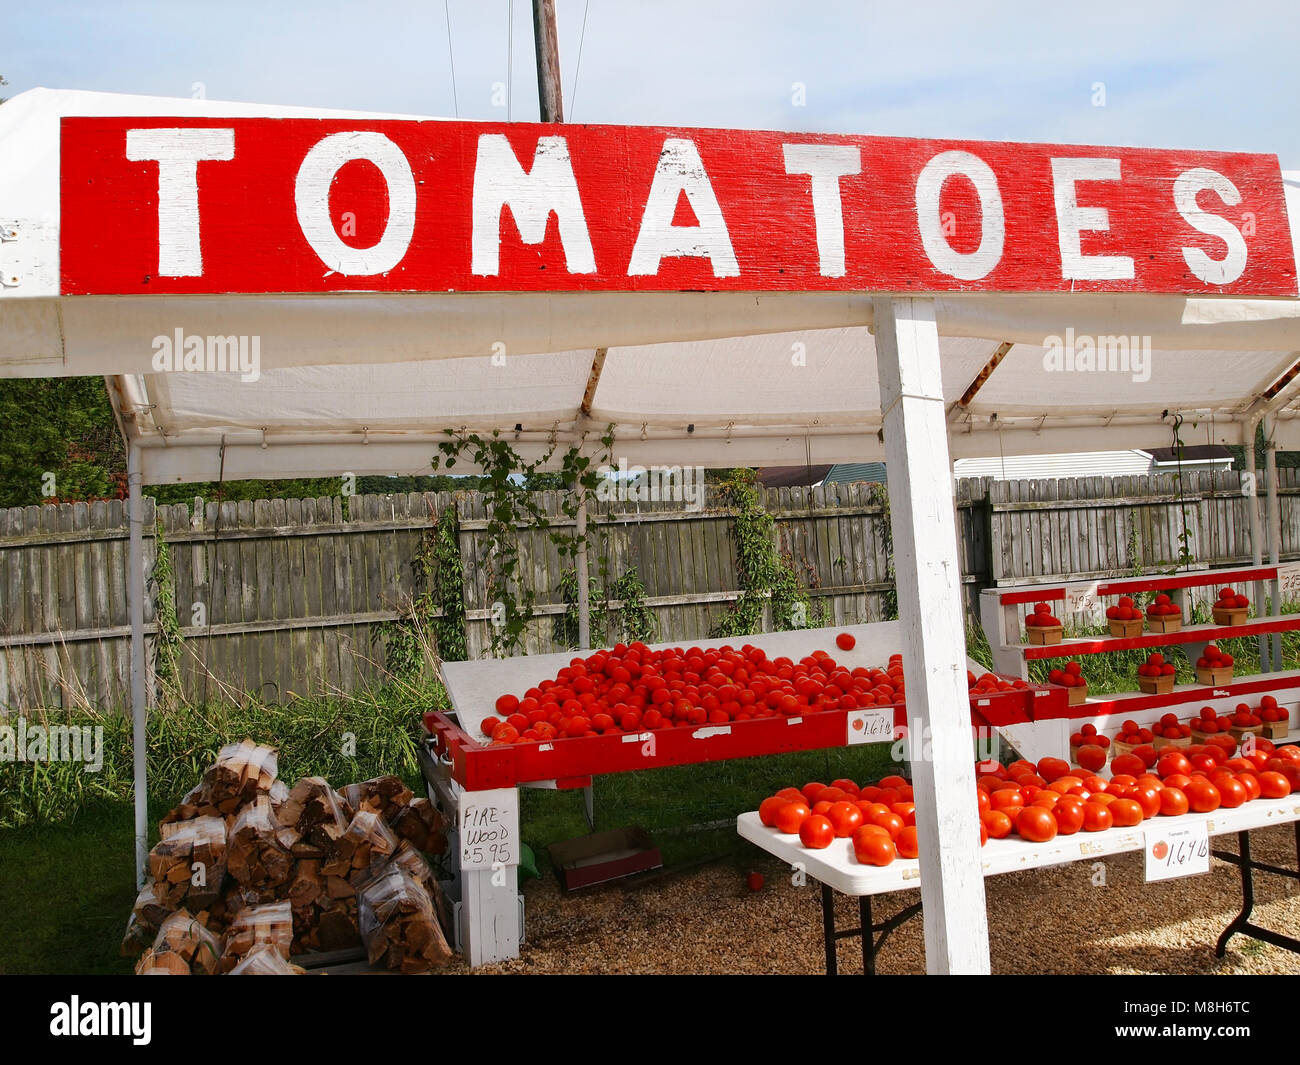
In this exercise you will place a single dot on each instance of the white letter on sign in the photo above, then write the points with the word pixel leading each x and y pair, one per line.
pixel 311 196
pixel 680 170
pixel 1186 187
pixel 1071 219
pixel 178 153
pixel 826 164
pixel 969 266
pixel 499 181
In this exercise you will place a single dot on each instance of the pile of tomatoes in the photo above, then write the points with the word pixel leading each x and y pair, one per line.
pixel 1156 666
pixel 1131 733
pixel 1042 617
pixel 630 688
pixel 1230 600
pixel 1170 728
pixel 1213 658
pixel 1163 607
pixel 1039 802
pixel 1069 677
pixel 1124 610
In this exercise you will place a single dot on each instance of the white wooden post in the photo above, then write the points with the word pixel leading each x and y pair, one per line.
pixel 934 640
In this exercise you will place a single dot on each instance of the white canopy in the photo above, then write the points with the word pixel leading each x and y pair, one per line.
pixel 366 383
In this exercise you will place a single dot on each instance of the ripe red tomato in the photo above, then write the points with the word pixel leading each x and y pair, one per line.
pixel 767 810
pixel 1173 802
pixel 1202 796
pixel 998 824
pixel 1090 757
pixel 1172 762
pixel 1096 817
pixel 906 844
pixel 1036 824
pixel 1273 785
pixel 890 822
pixel 874 848
pixel 816 832
pixel 1052 768
pixel 1125 813
pixel 846 641
pixel 1232 793
pixel 1128 765
pixel 1148 798
pixel 844 818
pixel 791 816
pixel 1006 797
pixel 1069 815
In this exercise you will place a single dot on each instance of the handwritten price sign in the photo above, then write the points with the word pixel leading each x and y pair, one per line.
pixel 1081 597
pixel 1289 578
pixel 1177 852
pixel 488 823
pixel 874 725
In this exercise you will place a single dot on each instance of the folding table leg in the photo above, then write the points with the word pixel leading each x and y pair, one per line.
pixel 828 927
pixel 868 935
pixel 1247 895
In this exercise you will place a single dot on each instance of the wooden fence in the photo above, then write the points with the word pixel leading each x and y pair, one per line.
pixel 284 597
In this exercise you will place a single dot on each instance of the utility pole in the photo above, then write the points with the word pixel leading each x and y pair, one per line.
pixel 548 61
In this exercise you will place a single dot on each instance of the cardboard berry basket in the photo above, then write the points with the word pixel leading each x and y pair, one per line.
pixel 1045 634
pixel 1126 629
pixel 1200 737
pixel 1118 747
pixel 1214 675
pixel 1078 695
pixel 1165 623
pixel 1275 730
pixel 1156 685
pixel 1161 742
pixel 1230 615
pixel 1240 732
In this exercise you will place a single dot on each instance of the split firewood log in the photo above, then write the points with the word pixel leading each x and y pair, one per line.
pixel 398 924
pixel 406 857
pixel 384 795
pixel 189 863
pixel 421 823
pixel 166 964
pixel 362 850
pixel 241 772
pixel 269 923
pixel 182 939
pixel 147 916
pixel 317 813
pixel 259 852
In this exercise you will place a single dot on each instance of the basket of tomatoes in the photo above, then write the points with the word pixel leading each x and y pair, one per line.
pixel 1275 720
pixel 1214 666
pixel 1230 608
pixel 1155 675
pixel 1071 677
pixel 1171 732
pixel 1124 618
pixel 1042 626
pixel 1164 615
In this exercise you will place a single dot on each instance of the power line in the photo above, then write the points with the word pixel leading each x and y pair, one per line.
pixel 577 67
pixel 510 57
pixel 451 58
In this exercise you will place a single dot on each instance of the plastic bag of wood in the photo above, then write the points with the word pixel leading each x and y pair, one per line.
pixel 270 923
pixel 406 857
pixel 317 813
pixel 362 850
pixel 421 823
pixel 398 925
pixel 167 964
pixel 258 852
pixel 189 863
pixel 384 795
pixel 195 804
pixel 147 916
pixel 241 772
pixel 183 937
pixel 265 960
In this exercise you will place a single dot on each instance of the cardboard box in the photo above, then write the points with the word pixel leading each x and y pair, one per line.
pixel 1230 616
pixel 1275 730
pixel 1078 695
pixel 1125 628
pixel 1156 685
pixel 1215 676
pixel 1044 634
pixel 1165 623
pixel 603 856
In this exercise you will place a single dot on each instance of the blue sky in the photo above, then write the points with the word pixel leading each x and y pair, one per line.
pixel 1190 74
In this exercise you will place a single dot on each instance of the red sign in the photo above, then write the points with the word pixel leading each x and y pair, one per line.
pixel 166 205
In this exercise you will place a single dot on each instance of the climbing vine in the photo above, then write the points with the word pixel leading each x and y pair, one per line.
pixel 1185 557
pixel 765 574
pixel 436 611
pixel 168 654
pixel 511 505
pixel 638 621
pixel 566 624
pixel 885 533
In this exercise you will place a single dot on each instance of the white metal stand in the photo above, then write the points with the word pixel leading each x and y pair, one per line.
pixel 934 641
pixel 135 590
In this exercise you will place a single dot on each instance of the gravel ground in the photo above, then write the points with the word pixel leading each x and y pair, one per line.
pixel 1056 920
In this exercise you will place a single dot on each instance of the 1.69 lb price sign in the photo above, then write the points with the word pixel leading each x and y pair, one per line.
pixel 1175 852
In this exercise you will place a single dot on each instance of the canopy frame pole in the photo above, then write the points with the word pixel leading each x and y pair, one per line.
pixel 1256 532
pixel 928 574
pixel 135 591
pixel 1274 533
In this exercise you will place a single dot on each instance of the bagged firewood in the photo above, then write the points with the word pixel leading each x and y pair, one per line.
pixel 384 795
pixel 362 850
pixel 167 964
pixel 188 864
pixel 270 923
pixel 421 823
pixel 317 813
pixel 147 916
pixel 398 924
pixel 183 937
pixel 338 925
pixel 265 960
pixel 195 804
pixel 258 854
pixel 406 857
pixel 241 772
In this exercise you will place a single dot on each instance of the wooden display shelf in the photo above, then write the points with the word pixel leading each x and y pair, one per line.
pixel 1207 633
pixel 1183 695
pixel 1128 585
